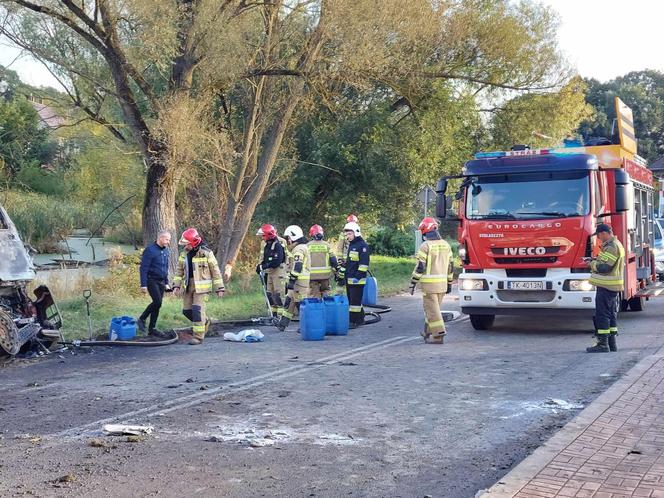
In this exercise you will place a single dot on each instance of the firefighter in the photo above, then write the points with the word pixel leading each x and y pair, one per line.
pixel 199 272
pixel 354 273
pixel 272 267
pixel 298 274
pixel 607 277
pixel 433 273
pixel 322 261
pixel 342 244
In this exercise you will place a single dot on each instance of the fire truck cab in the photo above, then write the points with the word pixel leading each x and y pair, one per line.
pixel 526 223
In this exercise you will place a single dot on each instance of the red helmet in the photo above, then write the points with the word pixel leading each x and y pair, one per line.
pixel 268 232
pixel 427 225
pixel 351 218
pixel 190 237
pixel 316 230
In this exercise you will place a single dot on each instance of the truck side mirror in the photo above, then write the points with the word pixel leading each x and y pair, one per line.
pixel 441 206
pixel 623 190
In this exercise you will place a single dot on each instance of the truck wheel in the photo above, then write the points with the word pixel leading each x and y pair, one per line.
pixel 636 304
pixel 482 322
pixel 624 305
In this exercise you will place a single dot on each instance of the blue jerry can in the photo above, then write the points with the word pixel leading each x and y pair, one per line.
pixel 370 295
pixel 312 320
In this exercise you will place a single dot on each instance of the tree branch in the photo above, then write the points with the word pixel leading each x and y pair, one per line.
pixel 95 42
pixel 481 81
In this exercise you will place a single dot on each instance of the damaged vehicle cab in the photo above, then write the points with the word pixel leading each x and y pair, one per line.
pixel 24 323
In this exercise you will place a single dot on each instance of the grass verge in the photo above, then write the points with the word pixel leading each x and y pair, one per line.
pixel 118 295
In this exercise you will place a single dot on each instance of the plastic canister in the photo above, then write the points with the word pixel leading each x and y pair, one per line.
pixel 312 319
pixel 370 294
pixel 123 328
pixel 336 315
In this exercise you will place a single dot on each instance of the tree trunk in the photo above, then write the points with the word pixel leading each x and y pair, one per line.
pixel 238 216
pixel 159 207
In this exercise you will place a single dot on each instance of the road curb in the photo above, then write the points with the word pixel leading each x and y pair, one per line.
pixel 521 475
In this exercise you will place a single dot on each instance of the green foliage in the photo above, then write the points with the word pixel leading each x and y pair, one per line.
pixel 36 179
pixel 643 91
pixel 554 114
pixel 388 242
pixel 22 141
pixel 44 221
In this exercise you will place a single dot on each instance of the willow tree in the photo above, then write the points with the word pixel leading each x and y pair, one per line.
pixel 195 84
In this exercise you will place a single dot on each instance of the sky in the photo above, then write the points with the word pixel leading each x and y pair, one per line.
pixel 602 39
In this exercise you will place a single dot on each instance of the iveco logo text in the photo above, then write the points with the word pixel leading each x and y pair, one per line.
pixel 524 251
pixel 503 226
pixel 491 235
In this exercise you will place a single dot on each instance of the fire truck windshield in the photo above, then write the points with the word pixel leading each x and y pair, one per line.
pixel 528 195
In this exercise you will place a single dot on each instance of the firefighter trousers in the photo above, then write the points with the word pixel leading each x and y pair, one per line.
pixel 274 285
pixel 433 318
pixel 606 311
pixel 355 292
pixel 292 304
pixel 319 288
pixel 194 309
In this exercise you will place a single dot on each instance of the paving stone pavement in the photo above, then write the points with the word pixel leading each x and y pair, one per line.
pixel 612 449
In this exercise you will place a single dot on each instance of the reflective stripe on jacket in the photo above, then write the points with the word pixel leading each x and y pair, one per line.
pixel 207 276
pixel 321 260
pixel 607 269
pixel 433 270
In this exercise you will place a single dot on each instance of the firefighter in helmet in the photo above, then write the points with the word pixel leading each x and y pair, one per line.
pixel 298 274
pixel 322 261
pixel 433 273
pixel 342 244
pixel 272 267
pixel 354 272
pixel 198 273
pixel 607 276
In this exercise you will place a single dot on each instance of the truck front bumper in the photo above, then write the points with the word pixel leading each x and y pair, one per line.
pixel 494 292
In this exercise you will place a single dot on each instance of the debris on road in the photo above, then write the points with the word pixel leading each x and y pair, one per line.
pixel 247 335
pixel 135 439
pixel 131 430
pixel 96 443
pixel 65 478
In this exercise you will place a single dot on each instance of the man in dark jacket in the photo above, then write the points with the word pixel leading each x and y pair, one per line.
pixel 154 277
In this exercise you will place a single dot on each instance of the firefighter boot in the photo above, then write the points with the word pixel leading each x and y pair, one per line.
pixel 436 338
pixel 613 347
pixel 602 345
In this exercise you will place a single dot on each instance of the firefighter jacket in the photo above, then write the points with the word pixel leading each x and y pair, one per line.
pixel 434 265
pixel 298 268
pixel 607 269
pixel 204 269
pixel 321 260
pixel 342 249
pixel 357 262
pixel 274 257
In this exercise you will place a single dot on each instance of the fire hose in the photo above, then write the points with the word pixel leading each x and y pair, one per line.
pixel 83 344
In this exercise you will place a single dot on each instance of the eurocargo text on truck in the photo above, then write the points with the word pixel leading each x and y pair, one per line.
pixel 526 219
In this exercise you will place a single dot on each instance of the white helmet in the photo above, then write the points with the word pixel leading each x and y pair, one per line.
pixel 293 232
pixel 353 227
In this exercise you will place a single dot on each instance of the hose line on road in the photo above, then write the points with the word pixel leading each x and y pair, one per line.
pixel 165 342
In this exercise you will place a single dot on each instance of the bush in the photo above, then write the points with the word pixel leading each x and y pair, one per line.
pixel 391 242
pixel 39 180
pixel 44 221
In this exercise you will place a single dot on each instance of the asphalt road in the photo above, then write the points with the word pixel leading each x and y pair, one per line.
pixel 376 413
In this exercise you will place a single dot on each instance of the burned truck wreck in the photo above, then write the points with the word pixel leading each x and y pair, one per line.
pixel 25 323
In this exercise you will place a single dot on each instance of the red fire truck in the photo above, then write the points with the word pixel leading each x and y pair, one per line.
pixel 526 219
